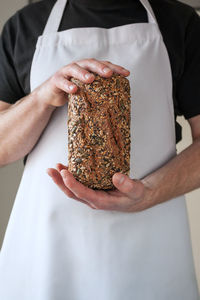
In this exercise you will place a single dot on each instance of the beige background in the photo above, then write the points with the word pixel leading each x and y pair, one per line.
pixel 10 175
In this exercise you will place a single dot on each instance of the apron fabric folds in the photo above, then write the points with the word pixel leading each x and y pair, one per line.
pixel 56 248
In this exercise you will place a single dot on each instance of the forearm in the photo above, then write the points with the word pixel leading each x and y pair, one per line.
pixel 179 176
pixel 20 127
pixel 22 124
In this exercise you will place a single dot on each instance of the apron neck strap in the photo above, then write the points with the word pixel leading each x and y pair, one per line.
pixel 150 13
pixel 56 14
pixel 55 17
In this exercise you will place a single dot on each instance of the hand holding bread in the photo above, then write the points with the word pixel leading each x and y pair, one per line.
pixel 99 109
pixel 52 93
pixel 129 196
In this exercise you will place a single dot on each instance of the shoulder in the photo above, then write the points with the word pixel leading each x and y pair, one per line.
pixel 173 11
pixel 178 22
pixel 31 19
pixel 173 6
pixel 17 46
pixel 38 9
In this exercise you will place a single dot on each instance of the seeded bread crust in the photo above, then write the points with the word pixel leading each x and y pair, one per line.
pixel 99 131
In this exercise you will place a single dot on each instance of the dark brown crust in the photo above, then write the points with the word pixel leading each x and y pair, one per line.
pixel 99 131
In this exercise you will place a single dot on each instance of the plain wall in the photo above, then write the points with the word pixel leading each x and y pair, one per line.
pixel 8 8
pixel 10 175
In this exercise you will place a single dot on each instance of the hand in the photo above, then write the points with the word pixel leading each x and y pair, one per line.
pixel 53 92
pixel 129 196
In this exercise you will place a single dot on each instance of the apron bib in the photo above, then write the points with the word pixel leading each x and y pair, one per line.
pixel 56 248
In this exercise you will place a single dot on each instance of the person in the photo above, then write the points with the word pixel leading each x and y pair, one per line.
pixel 64 240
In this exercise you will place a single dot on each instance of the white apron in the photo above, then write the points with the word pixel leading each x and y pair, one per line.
pixel 56 248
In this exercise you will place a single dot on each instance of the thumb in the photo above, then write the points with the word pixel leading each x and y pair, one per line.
pixel 131 187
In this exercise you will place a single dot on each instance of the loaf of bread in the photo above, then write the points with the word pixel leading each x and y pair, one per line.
pixel 99 131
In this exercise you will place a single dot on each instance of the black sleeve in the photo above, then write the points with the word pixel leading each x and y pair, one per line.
pixel 188 86
pixel 10 88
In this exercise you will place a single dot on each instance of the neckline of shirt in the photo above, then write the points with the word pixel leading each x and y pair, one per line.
pixel 102 3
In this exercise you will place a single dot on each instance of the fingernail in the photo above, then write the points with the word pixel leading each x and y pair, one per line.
pixel 106 70
pixel 88 75
pixel 121 179
pixel 71 87
pixel 127 71
pixel 62 172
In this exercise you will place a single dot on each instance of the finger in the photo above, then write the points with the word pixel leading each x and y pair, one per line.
pixel 62 83
pixel 132 188
pixel 96 67
pixel 76 71
pixel 57 178
pixel 60 167
pixel 117 69
pixel 81 191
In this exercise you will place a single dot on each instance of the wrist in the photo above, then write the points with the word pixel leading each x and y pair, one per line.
pixel 39 103
pixel 152 193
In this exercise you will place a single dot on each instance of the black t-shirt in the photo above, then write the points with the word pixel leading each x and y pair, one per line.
pixel 179 25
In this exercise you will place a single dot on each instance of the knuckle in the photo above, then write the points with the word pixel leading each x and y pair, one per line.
pixel 54 79
pixel 78 62
pixel 64 82
pixel 129 189
pixel 106 61
pixel 83 71
pixel 92 59
pixel 59 81
pixel 70 66
pixel 63 69
pixel 73 65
